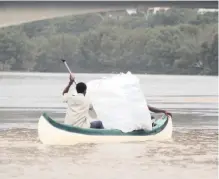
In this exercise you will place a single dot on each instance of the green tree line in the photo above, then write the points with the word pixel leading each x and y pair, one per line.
pixel 176 41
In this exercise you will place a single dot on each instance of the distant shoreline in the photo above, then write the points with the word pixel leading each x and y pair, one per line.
pixel 84 73
pixel 176 41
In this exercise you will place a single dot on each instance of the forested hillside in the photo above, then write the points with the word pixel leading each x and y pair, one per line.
pixel 176 41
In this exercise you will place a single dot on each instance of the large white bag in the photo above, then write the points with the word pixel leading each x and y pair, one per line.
pixel 120 103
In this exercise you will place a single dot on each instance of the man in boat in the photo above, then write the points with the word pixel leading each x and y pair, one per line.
pixel 156 110
pixel 79 107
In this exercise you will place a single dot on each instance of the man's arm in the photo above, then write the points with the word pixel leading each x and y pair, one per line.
pixel 156 110
pixel 69 85
pixel 67 88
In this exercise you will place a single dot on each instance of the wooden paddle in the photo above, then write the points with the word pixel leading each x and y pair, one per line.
pixel 66 65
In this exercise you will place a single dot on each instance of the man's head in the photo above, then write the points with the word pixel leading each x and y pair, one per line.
pixel 81 88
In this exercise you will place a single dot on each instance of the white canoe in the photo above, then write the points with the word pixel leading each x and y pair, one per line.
pixel 51 132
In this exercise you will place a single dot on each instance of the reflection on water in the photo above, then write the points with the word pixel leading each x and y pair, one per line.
pixel 192 153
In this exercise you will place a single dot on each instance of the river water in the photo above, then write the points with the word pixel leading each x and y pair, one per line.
pixel 192 153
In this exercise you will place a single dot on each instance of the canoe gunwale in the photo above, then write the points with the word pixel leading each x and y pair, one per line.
pixel 105 132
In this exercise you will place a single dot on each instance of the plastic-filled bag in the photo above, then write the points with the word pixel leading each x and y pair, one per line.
pixel 120 103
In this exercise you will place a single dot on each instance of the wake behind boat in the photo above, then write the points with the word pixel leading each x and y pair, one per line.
pixel 51 132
